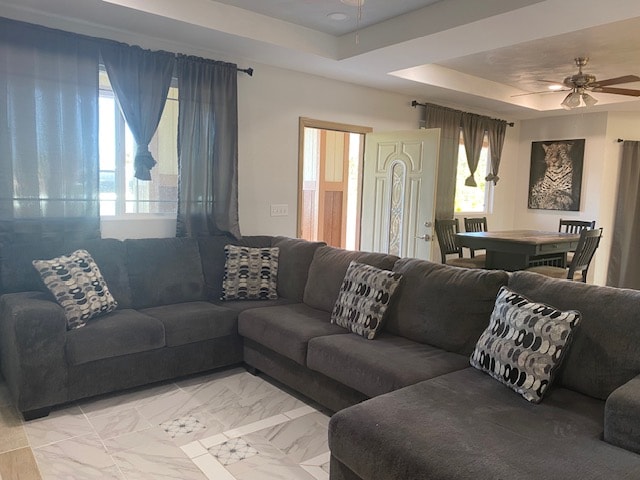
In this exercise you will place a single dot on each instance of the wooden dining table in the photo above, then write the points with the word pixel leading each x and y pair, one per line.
pixel 520 249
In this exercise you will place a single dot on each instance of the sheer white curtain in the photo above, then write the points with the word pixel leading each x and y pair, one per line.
pixel 49 144
pixel 624 261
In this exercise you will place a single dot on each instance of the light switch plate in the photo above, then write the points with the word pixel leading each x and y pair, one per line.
pixel 279 210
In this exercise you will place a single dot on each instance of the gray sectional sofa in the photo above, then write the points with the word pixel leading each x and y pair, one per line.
pixel 408 404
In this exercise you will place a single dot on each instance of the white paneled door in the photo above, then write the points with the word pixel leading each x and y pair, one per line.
pixel 398 197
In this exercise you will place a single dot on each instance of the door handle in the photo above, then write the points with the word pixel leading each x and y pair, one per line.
pixel 424 237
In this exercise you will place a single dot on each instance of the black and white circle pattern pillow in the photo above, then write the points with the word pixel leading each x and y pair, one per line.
pixel 77 285
pixel 524 344
pixel 364 297
pixel 250 273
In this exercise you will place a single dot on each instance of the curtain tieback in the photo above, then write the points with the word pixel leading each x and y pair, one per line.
pixel 143 163
pixel 470 181
pixel 492 178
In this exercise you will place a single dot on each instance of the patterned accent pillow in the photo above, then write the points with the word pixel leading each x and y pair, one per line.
pixel 364 296
pixel 524 344
pixel 250 273
pixel 78 286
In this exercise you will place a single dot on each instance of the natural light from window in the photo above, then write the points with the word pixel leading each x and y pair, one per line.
pixel 121 194
pixel 472 199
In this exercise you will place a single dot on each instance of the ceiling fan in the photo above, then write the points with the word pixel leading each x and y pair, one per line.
pixel 581 83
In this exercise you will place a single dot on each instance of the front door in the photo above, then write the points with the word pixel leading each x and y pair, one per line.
pixel 398 197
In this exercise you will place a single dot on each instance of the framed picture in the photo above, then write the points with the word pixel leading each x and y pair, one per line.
pixel 555 176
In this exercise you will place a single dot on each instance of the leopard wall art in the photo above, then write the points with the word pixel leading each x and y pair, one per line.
pixel 554 189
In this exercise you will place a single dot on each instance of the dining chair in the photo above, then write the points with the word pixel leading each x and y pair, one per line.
pixel 475 224
pixel 587 245
pixel 574 226
pixel 446 233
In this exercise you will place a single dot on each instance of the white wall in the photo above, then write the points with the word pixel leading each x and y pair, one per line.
pixel 270 105
pixel 600 172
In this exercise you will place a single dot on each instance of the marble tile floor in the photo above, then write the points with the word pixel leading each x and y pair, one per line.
pixel 226 425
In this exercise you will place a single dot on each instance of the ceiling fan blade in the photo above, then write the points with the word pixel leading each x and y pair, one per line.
pixel 555 82
pixel 618 91
pixel 617 80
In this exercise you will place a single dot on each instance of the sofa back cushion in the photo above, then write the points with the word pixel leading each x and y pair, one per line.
pixel 605 351
pixel 293 269
pixel 213 258
pixel 327 270
pixel 18 274
pixel 447 307
pixel 163 271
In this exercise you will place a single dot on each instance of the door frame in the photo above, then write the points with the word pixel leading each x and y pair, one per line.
pixel 305 122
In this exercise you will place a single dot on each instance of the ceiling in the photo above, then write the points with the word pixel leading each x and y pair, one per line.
pixel 481 56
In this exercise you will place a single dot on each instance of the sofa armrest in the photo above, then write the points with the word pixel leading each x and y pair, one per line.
pixel 622 416
pixel 32 341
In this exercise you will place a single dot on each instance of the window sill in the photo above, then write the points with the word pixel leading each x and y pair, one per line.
pixel 138 216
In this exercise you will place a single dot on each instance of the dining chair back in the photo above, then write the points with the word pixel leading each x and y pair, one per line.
pixel 575 226
pixel 587 246
pixel 475 224
pixel 446 233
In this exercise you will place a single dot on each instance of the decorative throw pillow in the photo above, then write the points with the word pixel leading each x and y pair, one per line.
pixel 77 285
pixel 363 299
pixel 524 344
pixel 250 273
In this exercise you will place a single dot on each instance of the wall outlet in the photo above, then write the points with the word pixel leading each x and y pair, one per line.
pixel 280 210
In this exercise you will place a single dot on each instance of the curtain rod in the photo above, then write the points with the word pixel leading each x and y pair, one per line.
pixel 248 71
pixel 415 103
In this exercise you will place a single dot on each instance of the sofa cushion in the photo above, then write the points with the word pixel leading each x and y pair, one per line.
pixel 295 257
pixel 327 270
pixel 163 271
pixel 467 426
pixel 443 306
pixel 18 274
pixel 121 332
pixel 213 259
pixel 240 305
pixel 386 364
pixel 194 321
pixel 77 285
pixel 524 344
pixel 364 297
pixel 250 273
pixel 605 352
pixel 286 329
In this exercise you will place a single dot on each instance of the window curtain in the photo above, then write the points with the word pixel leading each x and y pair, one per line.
pixel 473 128
pixel 207 147
pixel 140 80
pixel 624 261
pixel 448 121
pixel 496 131
pixel 49 135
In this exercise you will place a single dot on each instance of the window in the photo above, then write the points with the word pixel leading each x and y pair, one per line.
pixel 120 192
pixel 473 199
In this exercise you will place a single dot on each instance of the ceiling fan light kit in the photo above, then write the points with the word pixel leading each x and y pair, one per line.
pixel 581 83
pixel 576 98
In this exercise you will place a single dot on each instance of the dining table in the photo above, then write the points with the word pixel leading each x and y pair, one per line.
pixel 520 249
